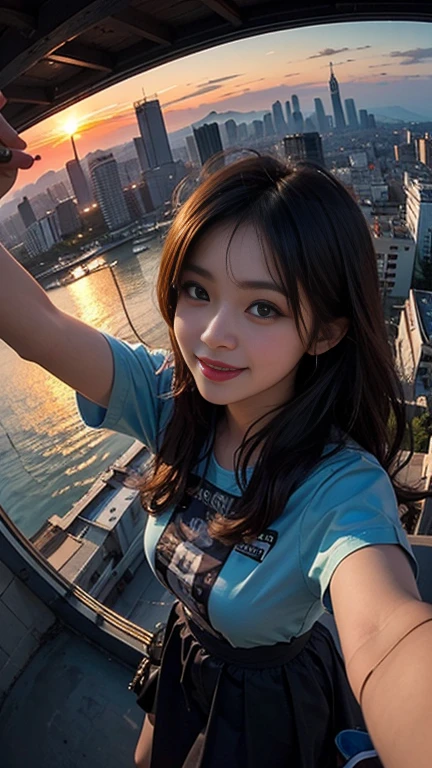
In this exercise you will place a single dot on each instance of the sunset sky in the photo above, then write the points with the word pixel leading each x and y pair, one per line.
pixel 376 63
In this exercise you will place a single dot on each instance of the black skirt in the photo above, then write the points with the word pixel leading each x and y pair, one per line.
pixel 278 706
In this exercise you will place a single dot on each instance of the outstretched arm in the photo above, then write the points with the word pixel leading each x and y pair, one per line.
pixel 29 322
pixel 386 636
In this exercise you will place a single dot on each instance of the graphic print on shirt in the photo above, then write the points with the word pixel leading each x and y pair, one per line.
pixel 188 559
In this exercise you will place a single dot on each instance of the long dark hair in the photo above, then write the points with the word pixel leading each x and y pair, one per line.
pixel 320 241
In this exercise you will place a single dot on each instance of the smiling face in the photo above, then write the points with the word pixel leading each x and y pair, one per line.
pixel 237 325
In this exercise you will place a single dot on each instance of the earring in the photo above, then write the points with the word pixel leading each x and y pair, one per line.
pixel 316 363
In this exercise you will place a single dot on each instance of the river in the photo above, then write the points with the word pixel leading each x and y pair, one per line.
pixel 48 457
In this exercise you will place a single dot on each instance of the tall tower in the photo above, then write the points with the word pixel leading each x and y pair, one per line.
pixel 278 118
pixel 350 109
pixel 26 212
pixel 78 180
pixel 304 146
pixel 108 190
pixel 295 103
pixel 336 101
pixel 208 141
pixel 321 116
pixel 157 150
pixel 288 115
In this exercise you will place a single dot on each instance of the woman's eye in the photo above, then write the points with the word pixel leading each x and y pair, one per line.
pixel 194 291
pixel 264 310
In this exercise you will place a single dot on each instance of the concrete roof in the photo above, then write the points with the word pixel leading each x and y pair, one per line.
pixel 54 54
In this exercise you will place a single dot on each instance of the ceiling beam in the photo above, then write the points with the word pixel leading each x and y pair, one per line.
pixel 57 21
pixel 25 22
pixel 141 24
pixel 82 56
pixel 18 94
pixel 227 10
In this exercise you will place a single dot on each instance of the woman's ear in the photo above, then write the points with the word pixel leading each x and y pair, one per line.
pixel 334 332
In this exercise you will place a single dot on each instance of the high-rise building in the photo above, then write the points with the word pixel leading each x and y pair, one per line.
pixel 78 179
pixel 26 212
pixel 268 125
pixel 157 150
pixel 140 151
pixel 371 121
pixel 297 121
pixel 295 103
pixel 321 116
pixel 242 132
pixel 336 101
pixel 68 217
pixel 350 109
pixel 192 150
pixel 419 215
pixel 309 125
pixel 208 141
pixel 363 115
pixel 425 150
pixel 278 119
pixel 258 129
pixel 304 146
pixel 288 115
pixel 108 190
pixel 231 132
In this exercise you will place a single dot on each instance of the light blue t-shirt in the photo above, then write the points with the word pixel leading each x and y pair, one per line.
pixel 278 586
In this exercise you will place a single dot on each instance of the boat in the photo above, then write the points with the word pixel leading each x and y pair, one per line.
pixel 82 270
pixel 140 248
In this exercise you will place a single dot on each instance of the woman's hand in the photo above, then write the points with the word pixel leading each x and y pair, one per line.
pixel 12 156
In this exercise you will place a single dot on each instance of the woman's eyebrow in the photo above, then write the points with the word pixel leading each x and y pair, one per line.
pixel 245 284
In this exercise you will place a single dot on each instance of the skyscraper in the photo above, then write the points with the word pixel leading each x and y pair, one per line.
pixel 278 119
pixel 108 190
pixel 258 129
pixel 231 132
pixel 304 146
pixel 208 141
pixel 295 103
pixel 419 216
pixel 26 212
pixel 363 115
pixel 288 115
pixel 336 101
pixel 268 125
pixel 371 120
pixel 157 150
pixel 192 150
pixel 321 116
pixel 78 180
pixel 351 112
pixel 297 121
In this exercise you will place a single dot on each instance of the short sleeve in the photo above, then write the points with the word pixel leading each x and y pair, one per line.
pixel 140 402
pixel 355 506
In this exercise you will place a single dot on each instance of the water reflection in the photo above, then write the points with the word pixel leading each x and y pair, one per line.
pixel 47 456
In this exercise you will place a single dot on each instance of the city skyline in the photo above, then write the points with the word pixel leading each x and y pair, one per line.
pixel 367 65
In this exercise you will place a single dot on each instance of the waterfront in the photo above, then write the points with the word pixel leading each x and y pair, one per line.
pixel 48 458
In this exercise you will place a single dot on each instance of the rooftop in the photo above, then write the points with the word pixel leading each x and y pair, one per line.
pixel 423 301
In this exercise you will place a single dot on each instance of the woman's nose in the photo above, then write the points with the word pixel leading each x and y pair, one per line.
pixel 219 331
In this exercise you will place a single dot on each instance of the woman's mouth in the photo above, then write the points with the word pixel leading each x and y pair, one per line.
pixel 216 371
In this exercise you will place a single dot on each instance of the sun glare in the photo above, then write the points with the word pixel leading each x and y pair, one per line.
pixel 71 126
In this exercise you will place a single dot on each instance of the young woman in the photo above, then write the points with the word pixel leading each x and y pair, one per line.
pixel 275 422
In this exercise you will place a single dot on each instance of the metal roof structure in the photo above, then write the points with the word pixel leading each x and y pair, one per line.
pixel 54 53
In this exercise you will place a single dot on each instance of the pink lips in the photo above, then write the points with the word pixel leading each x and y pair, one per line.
pixel 216 375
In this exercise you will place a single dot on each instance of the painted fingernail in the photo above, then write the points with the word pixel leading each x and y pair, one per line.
pixel 5 155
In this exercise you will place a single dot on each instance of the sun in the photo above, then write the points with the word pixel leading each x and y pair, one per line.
pixel 70 126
